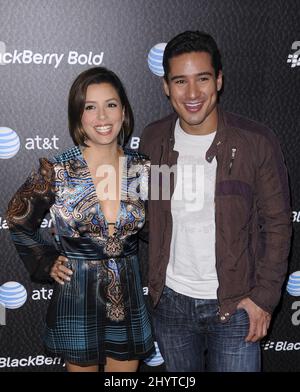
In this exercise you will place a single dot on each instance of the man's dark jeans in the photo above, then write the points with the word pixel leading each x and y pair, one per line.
pixel 192 339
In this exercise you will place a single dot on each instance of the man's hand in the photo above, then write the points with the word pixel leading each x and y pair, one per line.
pixel 259 320
pixel 59 272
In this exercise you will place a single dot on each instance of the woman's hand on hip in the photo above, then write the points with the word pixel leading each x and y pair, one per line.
pixel 59 272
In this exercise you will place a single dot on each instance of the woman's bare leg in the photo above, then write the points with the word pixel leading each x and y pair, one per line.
pixel 71 367
pixel 113 365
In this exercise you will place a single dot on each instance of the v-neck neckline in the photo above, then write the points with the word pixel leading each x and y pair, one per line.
pixel 93 186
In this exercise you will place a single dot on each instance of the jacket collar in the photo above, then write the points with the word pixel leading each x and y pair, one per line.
pixel 220 135
pixel 167 153
pixel 171 130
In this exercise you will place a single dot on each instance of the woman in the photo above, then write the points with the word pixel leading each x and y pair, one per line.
pixel 95 192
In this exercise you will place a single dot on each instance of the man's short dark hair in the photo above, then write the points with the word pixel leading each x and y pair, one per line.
pixel 192 41
pixel 77 97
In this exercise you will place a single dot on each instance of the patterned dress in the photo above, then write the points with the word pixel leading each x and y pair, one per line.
pixel 101 312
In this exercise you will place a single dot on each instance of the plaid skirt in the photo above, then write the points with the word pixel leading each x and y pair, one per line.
pixel 100 313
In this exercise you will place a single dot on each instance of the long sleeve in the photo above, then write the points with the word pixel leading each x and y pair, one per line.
pixel 144 233
pixel 273 206
pixel 25 213
pixel 144 186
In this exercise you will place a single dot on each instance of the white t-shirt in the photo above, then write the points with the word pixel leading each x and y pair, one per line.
pixel 192 265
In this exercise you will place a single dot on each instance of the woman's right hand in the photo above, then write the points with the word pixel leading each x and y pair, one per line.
pixel 59 272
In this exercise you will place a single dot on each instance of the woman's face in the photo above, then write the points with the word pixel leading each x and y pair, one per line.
pixel 103 114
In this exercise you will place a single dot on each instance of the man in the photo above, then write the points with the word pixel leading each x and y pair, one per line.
pixel 217 255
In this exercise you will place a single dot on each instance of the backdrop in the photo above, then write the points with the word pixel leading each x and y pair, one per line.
pixel 45 44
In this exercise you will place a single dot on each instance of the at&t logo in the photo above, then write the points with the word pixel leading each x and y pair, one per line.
pixel 155 359
pixel 155 58
pixel 293 286
pixel 13 295
pixel 40 143
pixel 9 143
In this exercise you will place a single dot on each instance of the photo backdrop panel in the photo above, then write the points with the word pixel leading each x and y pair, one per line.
pixel 45 45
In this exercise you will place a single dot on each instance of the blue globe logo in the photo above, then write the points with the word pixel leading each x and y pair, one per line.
pixel 155 58
pixel 155 359
pixel 293 286
pixel 9 143
pixel 12 295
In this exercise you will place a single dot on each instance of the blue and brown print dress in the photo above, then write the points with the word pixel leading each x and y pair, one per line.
pixel 101 312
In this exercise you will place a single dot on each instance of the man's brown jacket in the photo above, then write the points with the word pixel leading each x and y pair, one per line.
pixel 252 211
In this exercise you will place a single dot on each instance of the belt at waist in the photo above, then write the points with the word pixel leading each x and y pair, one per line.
pixel 90 249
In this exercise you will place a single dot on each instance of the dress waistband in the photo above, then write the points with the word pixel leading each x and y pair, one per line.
pixel 89 249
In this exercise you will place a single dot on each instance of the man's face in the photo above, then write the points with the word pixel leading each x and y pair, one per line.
pixel 193 88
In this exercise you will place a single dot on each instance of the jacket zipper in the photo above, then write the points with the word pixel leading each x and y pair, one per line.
pixel 161 153
pixel 233 152
pixel 216 180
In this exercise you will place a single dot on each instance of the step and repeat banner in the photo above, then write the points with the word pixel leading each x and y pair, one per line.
pixel 45 44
